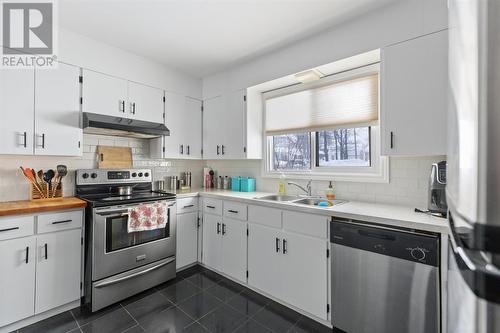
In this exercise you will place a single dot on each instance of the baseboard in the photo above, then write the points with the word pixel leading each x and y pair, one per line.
pixel 33 319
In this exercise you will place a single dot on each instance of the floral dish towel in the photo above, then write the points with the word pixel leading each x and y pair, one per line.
pixel 147 217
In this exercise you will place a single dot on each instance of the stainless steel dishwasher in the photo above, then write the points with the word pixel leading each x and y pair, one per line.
pixel 384 280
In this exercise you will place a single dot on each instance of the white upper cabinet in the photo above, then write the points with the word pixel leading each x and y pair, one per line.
pixel 16 111
pixel 226 131
pixel 233 122
pixel 57 111
pixel 414 96
pixel 214 126
pixel 104 94
pixel 192 128
pixel 183 119
pixel 145 103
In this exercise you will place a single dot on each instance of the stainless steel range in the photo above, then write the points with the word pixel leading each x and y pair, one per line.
pixel 118 263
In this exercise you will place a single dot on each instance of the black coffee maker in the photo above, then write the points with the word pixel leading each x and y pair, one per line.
pixel 437 185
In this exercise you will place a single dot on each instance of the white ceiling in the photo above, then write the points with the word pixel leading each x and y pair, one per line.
pixel 202 37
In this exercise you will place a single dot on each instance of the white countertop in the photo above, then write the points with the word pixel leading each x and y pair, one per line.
pixel 390 215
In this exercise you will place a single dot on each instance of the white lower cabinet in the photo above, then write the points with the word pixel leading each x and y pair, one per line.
pixel 224 245
pixel 39 272
pixel 304 264
pixel 187 239
pixel 234 248
pixel 264 260
pixel 17 287
pixel 290 267
pixel 58 269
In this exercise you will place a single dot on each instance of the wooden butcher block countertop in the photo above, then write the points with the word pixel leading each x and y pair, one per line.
pixel 28 207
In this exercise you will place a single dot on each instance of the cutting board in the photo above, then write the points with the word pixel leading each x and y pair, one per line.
pixel 114 157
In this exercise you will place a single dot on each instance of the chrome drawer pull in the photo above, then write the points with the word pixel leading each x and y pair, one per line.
pixel 233 211
pixel 58 222
pixel 9 229
pixel 187 206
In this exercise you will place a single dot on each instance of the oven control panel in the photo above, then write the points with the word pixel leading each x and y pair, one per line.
pixel 113 176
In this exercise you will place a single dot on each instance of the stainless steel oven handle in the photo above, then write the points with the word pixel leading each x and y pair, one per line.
pixel 124 278
pixel 115 212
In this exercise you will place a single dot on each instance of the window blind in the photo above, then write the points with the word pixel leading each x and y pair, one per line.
pixel 348 102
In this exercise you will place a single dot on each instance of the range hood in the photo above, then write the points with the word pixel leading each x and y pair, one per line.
pixel 110 125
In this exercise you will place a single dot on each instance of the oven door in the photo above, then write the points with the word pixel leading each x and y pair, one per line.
pixel 114 250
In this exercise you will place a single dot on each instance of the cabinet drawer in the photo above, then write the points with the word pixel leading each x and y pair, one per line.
pixel 212 206
pixel 235 210
pixel 307 224
pixel 16 226
pixel 59 221
pixel 270 217
pixel 187 205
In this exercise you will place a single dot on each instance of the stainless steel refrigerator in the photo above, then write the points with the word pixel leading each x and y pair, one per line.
pixel 473 187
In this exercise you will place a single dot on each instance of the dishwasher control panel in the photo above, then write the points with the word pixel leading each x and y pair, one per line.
pixel 416 247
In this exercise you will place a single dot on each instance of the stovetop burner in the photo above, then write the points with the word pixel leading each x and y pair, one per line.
pixel 102 189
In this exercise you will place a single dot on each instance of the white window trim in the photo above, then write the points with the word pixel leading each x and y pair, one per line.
pixel 378 172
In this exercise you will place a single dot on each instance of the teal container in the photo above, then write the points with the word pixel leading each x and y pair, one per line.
pixel 247 184
pixel 236 184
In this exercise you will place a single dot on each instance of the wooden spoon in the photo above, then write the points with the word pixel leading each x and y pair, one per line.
pixel 27 172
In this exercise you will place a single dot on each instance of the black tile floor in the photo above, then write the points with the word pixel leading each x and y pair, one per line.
pixel 197 300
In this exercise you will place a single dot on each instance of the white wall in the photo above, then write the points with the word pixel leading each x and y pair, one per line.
pixel 13 185
pixel 409 177
pixel 403 20
pixel 91 54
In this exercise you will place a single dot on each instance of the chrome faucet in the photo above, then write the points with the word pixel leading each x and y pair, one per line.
pixel 307 189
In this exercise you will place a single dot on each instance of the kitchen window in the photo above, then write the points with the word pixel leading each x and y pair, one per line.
pixel 326 128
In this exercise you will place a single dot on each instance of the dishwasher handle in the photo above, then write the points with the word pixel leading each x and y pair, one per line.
pixel 376 235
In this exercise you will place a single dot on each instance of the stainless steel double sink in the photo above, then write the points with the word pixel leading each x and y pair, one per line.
pixel 307 201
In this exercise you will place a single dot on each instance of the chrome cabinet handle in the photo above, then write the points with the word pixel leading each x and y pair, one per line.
pixel 223 149
pixel 182 149
pixel 218 228
pixel 59 222
pixel 277 245
pixel 218 150
pixel 187 147
pixel 43 140
pixel 9 229
pixel 121 105
pixel 25 143
pixel 46 252
pixel 284 246
pixel 392 140
pixel 132 107
pixel 223 228
pixel 27 253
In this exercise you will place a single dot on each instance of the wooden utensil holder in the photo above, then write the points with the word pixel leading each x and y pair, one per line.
pixel 36 196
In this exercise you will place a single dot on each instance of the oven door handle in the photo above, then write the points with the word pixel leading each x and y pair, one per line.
pixel 131 276
pixel 115 212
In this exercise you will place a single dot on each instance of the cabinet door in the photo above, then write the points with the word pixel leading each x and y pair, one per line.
pixel 104 94
pixel 57 111
pixel 414 87
pixel 264 259
pixel 192 128
pixel 187 239
pixel 17 285
pixel 58 271
pixel 175 105
pixel 233 140
pixel 305 260
pixel 214 126
pixel 16 111
pixel 234 248
pixel 145 103
pixel 212 244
